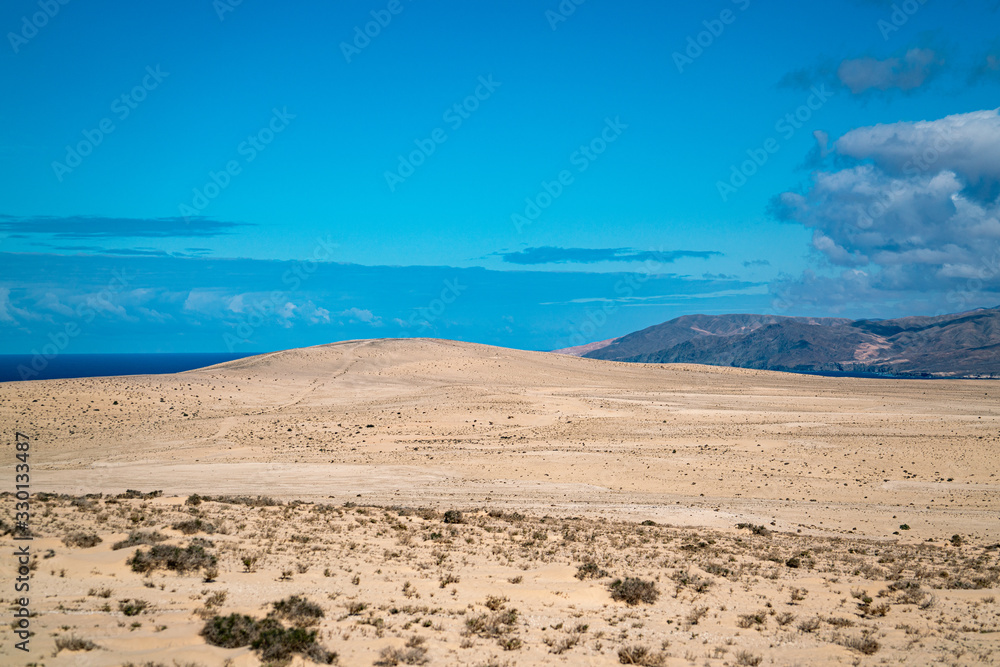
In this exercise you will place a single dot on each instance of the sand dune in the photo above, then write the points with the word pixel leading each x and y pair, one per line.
pixel 443 424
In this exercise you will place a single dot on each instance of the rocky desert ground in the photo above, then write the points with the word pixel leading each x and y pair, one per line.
pixel 431 502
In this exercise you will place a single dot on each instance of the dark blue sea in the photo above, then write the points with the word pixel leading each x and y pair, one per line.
pixel 16 367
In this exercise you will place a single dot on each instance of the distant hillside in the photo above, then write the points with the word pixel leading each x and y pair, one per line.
pixel 958 345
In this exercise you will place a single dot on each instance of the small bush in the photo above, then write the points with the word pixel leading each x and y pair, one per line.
pixel 249 501
pixel 82 540
pixel 276 643
pixel 840 622
pixel 755 529
pixel 139 495
pixel 453 516
pixel 560 646
pixel 640 655
pixel 298 611
pixel 748 659
pixel 415 653
pixel 272 641
pixel 139 537
pixel 809 625
pixel 510 643
pixel 784 618
pixel 633 590
pixel 496 602
pixel 193 526
pixel 492 625
pixel 173 558
pixel 131 607
pixel 692 580
pixel 750 620
pixel 231 631
pixel 74 643
pixel 865 644
pixel 590 570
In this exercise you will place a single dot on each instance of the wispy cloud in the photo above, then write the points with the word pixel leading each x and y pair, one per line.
pixel 907 72
pixel 904 71
pixel 556 255
pixel 196 302
pixel 90 227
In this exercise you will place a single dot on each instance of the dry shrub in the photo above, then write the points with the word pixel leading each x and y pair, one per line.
pixel 633 590
pixel 82 540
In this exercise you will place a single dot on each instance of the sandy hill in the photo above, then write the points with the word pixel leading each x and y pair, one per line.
pixel 416 420
pixel 567 474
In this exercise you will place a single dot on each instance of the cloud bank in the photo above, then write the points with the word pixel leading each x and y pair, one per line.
pixel 912 217
pixel 554 255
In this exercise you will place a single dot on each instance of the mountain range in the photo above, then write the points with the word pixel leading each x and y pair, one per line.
pixel 957 345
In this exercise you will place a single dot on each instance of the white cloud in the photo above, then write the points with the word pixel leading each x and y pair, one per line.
pixel 361 315
pixel 918 213
pixel 968 145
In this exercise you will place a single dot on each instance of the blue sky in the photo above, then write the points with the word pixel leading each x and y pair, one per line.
pixel 572 171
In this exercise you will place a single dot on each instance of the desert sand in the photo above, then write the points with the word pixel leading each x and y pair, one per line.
pixel 870 510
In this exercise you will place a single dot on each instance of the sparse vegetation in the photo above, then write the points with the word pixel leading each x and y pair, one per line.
pixel 640 655
pixel 271 640
pixel 748 659
pixel 82 540
pixel 192 557
pixel 74 643
pixel 633 590
pixel 754 528
pixel 366 553
pixel 132 607
pixel 865 644
pixel 298 611
pixel 192 526
pixel 413 653
pixel 590 570
pixel 139 538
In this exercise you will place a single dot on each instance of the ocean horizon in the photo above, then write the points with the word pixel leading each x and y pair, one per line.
pixel 27 367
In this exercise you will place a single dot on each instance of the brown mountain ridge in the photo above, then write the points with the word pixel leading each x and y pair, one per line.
pixel 956 345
